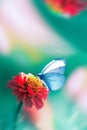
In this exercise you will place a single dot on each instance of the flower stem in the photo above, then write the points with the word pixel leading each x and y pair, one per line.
pixel 19 106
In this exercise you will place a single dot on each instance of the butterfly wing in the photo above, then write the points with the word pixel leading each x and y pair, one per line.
pixel 55 66
pixel 53 81
pixel 52 74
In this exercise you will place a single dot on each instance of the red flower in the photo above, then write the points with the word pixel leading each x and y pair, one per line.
pixel 72 7
pixel 68 7
pixel 28 89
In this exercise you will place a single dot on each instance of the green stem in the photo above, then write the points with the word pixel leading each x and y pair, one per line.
pixel 19 106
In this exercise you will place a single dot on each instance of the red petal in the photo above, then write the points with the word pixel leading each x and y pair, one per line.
pixel 43 92
pixel 20 97
pixel 27 101
pixel 37 101
pixel 31 93
pixel 12 84
pixel 21 78
pixel 16 92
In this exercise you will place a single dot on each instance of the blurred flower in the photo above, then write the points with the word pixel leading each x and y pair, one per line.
pixel 66 7
pixel 77 87
pixel 28 89
pixel 41 117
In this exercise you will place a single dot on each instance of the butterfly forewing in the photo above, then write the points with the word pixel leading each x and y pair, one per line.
pixel 54 65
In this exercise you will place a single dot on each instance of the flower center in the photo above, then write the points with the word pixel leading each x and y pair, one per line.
pixel 34 81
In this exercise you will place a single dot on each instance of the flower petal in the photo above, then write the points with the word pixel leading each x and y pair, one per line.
pixel 27 101
pixel 37 101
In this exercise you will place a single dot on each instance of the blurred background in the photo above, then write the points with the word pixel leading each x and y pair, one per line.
pixel 31 36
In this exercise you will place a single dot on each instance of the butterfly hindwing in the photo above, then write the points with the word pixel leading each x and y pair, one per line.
pixel 53 81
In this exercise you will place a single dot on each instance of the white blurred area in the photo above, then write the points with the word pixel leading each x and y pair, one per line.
pixel 23 23
pixel 77 87
pixel 4 41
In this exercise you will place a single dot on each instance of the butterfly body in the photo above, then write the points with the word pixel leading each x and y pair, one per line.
pixel 52 74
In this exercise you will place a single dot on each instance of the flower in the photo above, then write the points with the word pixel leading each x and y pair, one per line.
pixel 28 89
pixel 66 7
pixel 76 87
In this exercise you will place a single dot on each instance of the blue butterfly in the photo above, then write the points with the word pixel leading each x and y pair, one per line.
pixel 52 74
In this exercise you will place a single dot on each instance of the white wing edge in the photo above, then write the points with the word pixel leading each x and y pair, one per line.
pixel 53 65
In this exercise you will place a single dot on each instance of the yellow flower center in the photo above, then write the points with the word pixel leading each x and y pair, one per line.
pixel 34 81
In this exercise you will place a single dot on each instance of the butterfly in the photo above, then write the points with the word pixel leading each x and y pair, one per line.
pixel 52 74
